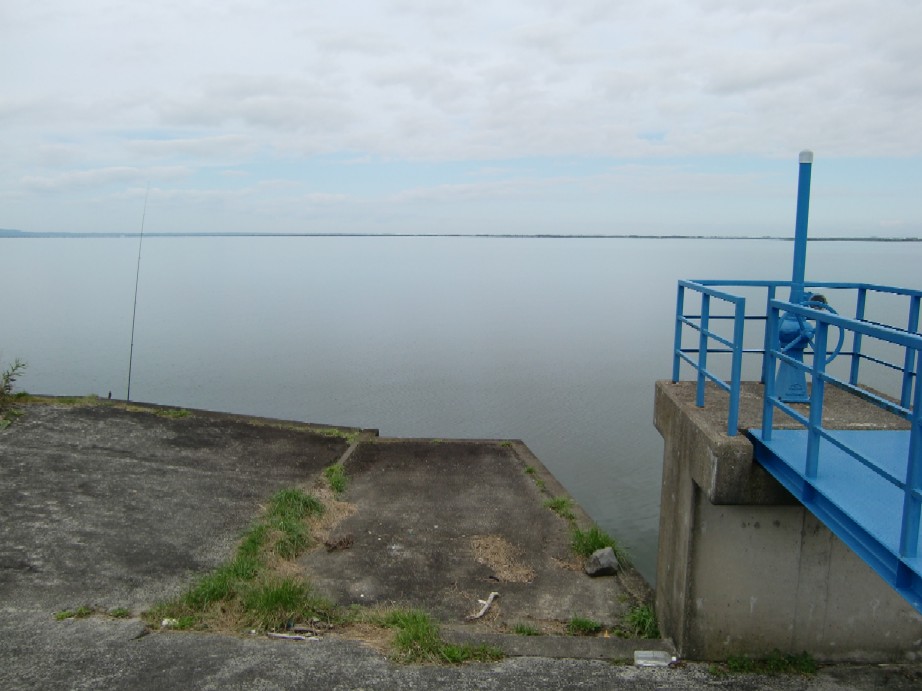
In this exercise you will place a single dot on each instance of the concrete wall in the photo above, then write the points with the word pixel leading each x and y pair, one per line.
pixel 744 569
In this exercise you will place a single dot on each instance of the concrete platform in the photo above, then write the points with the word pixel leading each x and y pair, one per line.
pixel 107 507
pixel 742 565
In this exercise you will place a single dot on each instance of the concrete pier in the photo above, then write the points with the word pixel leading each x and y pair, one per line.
pixel 743 568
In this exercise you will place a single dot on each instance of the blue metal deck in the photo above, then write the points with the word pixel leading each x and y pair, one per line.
pixel 856 501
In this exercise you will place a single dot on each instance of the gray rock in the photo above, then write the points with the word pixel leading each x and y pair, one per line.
pixel 602 563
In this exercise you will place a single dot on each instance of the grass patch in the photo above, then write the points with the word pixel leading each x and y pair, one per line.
pixel 120 613
pixel 585 542
pixel 526 630
pixel 530 470
pixel 349 437
pixel 641 622
pixel 246 590
pixel 286 514
pixel 172 413
pixel 336 477
pixel 418 640
pixel 578 626
pixel 562 506
pixel 775 662
pixel 81 612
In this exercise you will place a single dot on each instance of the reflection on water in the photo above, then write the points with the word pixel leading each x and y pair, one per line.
pixel 557 342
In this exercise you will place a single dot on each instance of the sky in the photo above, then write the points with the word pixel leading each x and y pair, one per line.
pixel 439 116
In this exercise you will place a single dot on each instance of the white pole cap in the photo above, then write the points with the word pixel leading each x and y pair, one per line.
pixel 806 156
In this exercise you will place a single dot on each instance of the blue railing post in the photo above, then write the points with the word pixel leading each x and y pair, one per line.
pixel 909 530
pixel 679 314
pixel 703 349
pixel 856 339
pixel 767 344
pixel 909 372
pixel 771 339
pixel 800 227
pixel 816 398
pixel 736 367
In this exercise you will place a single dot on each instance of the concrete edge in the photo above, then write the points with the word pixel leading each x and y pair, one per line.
pixel 201 413
pixel 724 467
pixel 575 647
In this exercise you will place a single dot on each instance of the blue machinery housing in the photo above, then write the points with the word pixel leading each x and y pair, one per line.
pixel 864 484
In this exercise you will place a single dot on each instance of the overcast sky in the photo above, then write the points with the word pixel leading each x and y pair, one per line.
pixel 541 116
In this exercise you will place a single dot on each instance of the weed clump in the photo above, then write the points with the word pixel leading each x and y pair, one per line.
pixel 579 626
pixel 526 630
pixel 418 640
pixel 641 622
pixel 585 542
pixel 562 506
pixel 8 377
pixel 336 477
pixel 775 662
pixel 81 612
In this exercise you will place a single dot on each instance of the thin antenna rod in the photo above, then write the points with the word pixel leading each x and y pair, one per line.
pixel 137 276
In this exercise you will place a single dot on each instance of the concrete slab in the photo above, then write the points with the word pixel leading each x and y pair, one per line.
pixel 109 507
pixel 440 525
pixel 113 508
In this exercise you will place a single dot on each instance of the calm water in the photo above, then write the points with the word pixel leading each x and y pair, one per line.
pixel 556 342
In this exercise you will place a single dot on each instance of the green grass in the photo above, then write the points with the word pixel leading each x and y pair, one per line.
pixel 120 613
pixel 641 622
pixel 286 513
pixel 8 377
pixel 418 640
pixel 336 477
pixel 80 613
pixel 585 542
pixel 526 630
pixel 562 506
pixel 172 413
pixel 775 662
pixel 246 589
pixel 530 470
pixel 578 626
pixel 348 437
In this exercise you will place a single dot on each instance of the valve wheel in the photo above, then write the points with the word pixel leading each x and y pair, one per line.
pixel 832 354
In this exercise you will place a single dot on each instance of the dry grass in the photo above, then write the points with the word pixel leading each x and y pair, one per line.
pixel 502 557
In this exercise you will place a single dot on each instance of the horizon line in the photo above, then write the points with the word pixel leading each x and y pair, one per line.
pixel 24 234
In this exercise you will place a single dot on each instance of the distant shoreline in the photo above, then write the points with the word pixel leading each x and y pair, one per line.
pixel 28 235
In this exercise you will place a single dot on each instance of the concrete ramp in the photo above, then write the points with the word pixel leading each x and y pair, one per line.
pixel 439 525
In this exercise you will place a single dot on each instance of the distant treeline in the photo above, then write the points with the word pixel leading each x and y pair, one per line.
pixel 6 233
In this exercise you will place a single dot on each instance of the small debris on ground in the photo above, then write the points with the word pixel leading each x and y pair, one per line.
pixel 486 605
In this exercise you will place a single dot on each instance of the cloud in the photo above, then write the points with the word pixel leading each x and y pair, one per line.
pixel 104 93
pixel 77 179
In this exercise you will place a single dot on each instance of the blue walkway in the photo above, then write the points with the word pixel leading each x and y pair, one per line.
pixel 855 501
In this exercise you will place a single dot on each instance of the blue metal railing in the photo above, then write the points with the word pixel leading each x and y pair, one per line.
pixel 817 464
pixel 701 323
pixel 909 408
pixel 709 340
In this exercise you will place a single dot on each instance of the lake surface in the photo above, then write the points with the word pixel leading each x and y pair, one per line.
pixel 554 341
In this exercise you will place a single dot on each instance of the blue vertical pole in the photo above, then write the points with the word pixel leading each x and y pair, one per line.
pixel 771 341
pixel 816 399
pixel 800 227
pixel 736 366
pixel 856 339
pixel 703 349
pixel 677 346
pixel 908 374
pixel 909 531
